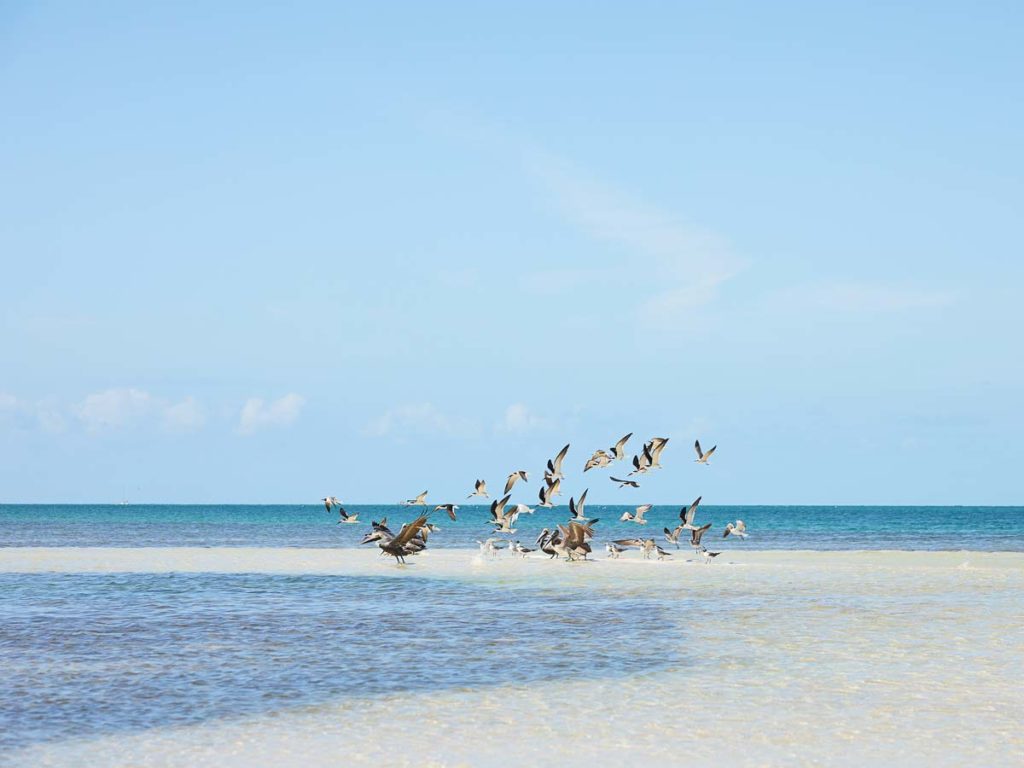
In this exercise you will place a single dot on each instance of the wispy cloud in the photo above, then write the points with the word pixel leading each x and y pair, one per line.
pixel 420 419
pixel 258 413
pixel 127 407
pixel 679 265
pixel 519 419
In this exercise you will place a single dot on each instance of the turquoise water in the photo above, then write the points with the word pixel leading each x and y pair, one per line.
pixel 770 527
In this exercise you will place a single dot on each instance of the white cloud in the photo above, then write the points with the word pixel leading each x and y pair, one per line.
pixel 421 419
pixel 258 414
pixel 184 416
pixel 678 265
pixel 519 419
pixel 114 408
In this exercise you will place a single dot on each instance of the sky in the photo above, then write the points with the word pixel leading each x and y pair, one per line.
pixel 266 254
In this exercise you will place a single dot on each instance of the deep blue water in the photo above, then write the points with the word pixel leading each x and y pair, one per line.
pixel 770 527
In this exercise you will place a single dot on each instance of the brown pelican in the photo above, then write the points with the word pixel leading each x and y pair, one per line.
pixel 577 509
pixel 546 542
pixel 449 508
pixel 575 540
pixel 479 489
pixel 636 517
pixel 686 514
pixel 618 451
pixel 554 471
pixel 419 501
pixel 520 475
pixel 702 458
pixel 405 543
pixel 739 528
pixel 623 483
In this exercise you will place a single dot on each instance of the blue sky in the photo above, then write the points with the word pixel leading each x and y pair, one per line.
pixel 266 254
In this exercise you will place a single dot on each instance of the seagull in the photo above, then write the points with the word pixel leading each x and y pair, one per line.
pixel 554 486
pixel 618 451
pixel 686 514
pixel 708 556
pixel 491 546
pixel 702 458
pixel 545 497
pixel 642 462
pixel 522 509
pixel 479 489
pixel 673 536
pixel 555 464
pixel 331 501
pixel 502 522
pixel 662 554
pixel 614 550
pixel 419 501
pixel 739 528
pixel 345 517
pixel 449 508
pixel 655 447
pixel 519 549
pixel 695 536
pixel 636 517
pixel 623 483
pixel 520 475
pixel 600 459
pixel 404 544
pixel 577 509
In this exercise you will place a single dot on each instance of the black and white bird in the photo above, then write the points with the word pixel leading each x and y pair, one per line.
pixel 654 449
pixel 618 451
pixel 739 528
pixel 578 508
pixel 479 489
pixel 519 549
pixel 545 497
pixel 419 501
pixel 708 556
pixel 662 554
pixel 623 483
pixel 491 546
pixel 673 536
pixel 345 517
pixel 637 516
pixel 449 508
pixel 502 520
pixel 702 458
pixel 554 468
pixel 614 550
pixel 695 536
pixel 330 502
pixel 599 460
pixel 515 477
pixel 686 514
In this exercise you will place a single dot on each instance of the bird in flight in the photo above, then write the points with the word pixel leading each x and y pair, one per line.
pixel 554 470
pixel 622 483
pixel 577 508
pixel 702 458
pixel 419 501
pixel 331 501
pixel 739 528
pixel 618 450
pixel 514 477
pixel 479 489
pixel 686 514
pixel 449 508
pixel 637 516
pixel 345 517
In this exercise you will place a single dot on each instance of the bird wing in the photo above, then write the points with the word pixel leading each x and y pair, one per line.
pixel 687 513
pixel 572 506
pixel 658 447
pixel 708 454
pixel 511 481
pixel 618 480
pixel 409 530
pixel 696 447
pixel 557 465
pixel 582 502
pixel 642 510
pixel 619 449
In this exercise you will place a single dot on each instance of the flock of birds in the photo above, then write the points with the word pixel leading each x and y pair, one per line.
pixel 570 541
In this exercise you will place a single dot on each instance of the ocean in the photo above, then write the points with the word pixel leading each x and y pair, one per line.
pixel 258 635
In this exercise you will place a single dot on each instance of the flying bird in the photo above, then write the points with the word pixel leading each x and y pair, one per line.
pixel 623 483
pixel 545 497
pixel 345 517
pixel 331 501
pixel 739 528
pixel 503 521
pixel 600 460
pixel 673 536
pixel 695 536
pixel 419 501
pixel 702 458
pixel 479 489
pixel 618 451
pixel 686 514
pixel 449 508
pixel 642 462
pixel 520 475
pixel 636 517
pixel 654 449
pixel 554 471
pixel 577 509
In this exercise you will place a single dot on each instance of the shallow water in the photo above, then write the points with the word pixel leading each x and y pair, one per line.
pixel 827 658
pixel 771 527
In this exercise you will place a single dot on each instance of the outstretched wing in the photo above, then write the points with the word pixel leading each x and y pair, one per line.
pixel 409 530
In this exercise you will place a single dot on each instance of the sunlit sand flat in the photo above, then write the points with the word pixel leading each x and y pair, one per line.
pixel 771 658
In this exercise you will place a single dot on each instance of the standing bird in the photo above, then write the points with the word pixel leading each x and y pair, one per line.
pixel 614 550
pixel 407 542
pixel 519 549
pixel 331 501
pixel 419 501
pixel 554 470
pixel 623 483
pixel 479 489
pixel 739 528
pixel 449 508
pixel 702 458
pixel 618 451
pixel 662 554
pixel 708 556
pixel 686 514
pixel 575 540
pixel 636 517
pixel 491 546
pixel 577 509
pixel 520 475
